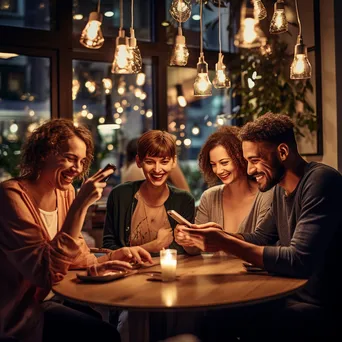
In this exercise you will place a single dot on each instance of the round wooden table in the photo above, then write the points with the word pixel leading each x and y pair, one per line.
pixel 203 283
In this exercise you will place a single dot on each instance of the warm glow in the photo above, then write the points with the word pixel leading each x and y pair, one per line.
pixel 141 77
pixel 187 142
pixel 180 10
pixel 202 85
pixel 260 9
pixel 180 55
pixel 301 67
pixel 279 22
pixel 92 36
pixel 122 57
pixel 249 34
pixel 181 101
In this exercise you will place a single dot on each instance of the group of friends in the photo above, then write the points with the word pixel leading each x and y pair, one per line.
pixel 265 205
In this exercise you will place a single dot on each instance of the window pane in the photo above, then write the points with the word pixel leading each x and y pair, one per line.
pixel 192 119
pixel 24 104
pixel 111 17
pixel 191 28
pixel 124 100
pixel 25 13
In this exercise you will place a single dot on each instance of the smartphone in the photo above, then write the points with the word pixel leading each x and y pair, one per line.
pixel 179 218
pixel 107 167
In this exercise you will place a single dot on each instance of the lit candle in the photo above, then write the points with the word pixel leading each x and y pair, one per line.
pixel 168 264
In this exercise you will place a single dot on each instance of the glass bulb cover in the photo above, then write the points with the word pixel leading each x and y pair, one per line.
pixel 136 60
pixel 300 67
pixel 180 55
pixel 221 80
pixel 202 85
pixel 180 10
pixel 260 10
pixel 279 22
pixel 122 63
pixel 91 36
pixel 266 50
pixel 250 34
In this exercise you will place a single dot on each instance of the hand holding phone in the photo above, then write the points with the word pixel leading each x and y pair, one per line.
pixel 107 167
pixel 179 218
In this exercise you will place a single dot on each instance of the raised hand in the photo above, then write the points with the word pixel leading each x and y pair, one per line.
pixel 92 188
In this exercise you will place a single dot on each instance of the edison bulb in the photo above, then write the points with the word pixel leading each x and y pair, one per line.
pixel 260 9
pixel 91 36
pixel 123 56
pixel 180 52
pixel 136 60
pixel 300 67
pixel 180 10
pixel 279 22
pixel 202 85
pixel 221 79
pixel 249 34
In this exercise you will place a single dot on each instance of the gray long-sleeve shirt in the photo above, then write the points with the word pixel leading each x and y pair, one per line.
pixel 306 227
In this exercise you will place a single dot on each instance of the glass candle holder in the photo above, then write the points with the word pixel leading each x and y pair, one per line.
pixel 168 264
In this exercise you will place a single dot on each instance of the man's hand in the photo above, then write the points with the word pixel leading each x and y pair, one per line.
pixel 131 254
pixel 206 239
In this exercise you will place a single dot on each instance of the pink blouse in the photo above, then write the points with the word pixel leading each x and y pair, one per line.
pixel 30 261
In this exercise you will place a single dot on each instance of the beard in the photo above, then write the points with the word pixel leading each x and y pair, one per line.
pixel 278 172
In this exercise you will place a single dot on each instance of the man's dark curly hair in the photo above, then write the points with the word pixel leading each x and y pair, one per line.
pixel 270 128
pixel 226 137
pixel 49 139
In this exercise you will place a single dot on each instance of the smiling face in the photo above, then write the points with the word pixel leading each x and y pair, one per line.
pixel 61 170
pixel 263 164
pixel 157 169
pixel 222 165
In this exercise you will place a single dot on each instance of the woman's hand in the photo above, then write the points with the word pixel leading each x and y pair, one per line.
pixel 105 268
pixel 164 238
pixel 91 190
pixel 134 254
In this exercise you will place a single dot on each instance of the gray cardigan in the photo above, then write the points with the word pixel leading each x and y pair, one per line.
pixel 210 209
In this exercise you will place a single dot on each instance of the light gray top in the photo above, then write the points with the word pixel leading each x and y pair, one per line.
pixel 210 209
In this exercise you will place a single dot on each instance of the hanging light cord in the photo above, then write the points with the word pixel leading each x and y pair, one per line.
pixel 121 14
pixel 180 17
pixel 219 24
pixel 201 31
pixel 299 22
pixel 98 6
pixel 132 9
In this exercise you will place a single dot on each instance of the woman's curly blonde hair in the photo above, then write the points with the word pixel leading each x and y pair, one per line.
pixel 49 139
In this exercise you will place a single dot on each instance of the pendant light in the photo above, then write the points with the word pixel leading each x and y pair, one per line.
pixel 91 36
pixel 122 63
pixel 260 9
pixel 136 61
pixel 202 84
pixel 180 52
pixel 180 10
pixel 221 79
pixel 250 34
pixel 300 67
pixel 279 22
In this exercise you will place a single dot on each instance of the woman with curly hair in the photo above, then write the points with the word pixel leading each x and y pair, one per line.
pixel 40 240
pixel 235 205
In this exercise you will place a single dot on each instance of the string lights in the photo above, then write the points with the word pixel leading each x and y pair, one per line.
pixel 202 84
pixel 300 67
pixel 91 36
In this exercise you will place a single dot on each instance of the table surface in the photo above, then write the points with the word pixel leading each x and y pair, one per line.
pixel 202 283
